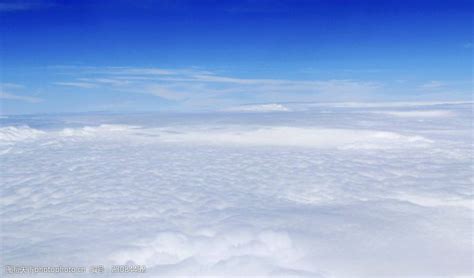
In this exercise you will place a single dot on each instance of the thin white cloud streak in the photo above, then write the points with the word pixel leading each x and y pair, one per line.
pixel 105 81
pixel 5 93
pixel 165 92
pixel 11 86
pixel 9 96
pixel 335 85
pixel 137 71
pixel 133 71
pixel 434 84
pixel 83 85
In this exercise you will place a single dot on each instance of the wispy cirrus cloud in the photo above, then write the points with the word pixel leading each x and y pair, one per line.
pixel 12 86
pixel 103 81
pixel 193 85
pixel 7 89
pixel 432 85
pixel 84 85
pixel 6 93
pixel 9 96
pixel 127 71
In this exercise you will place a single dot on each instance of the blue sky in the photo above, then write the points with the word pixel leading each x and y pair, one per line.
pixel 77 56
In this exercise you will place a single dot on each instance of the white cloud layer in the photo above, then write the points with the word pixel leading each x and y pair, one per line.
pixel 330 191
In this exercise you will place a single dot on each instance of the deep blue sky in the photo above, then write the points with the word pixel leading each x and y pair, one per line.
pixel 69 56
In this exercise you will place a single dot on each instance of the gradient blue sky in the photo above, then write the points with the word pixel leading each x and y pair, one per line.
pixel 73 56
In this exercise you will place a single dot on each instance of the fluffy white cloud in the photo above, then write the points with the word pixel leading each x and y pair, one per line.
pixel 334 191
